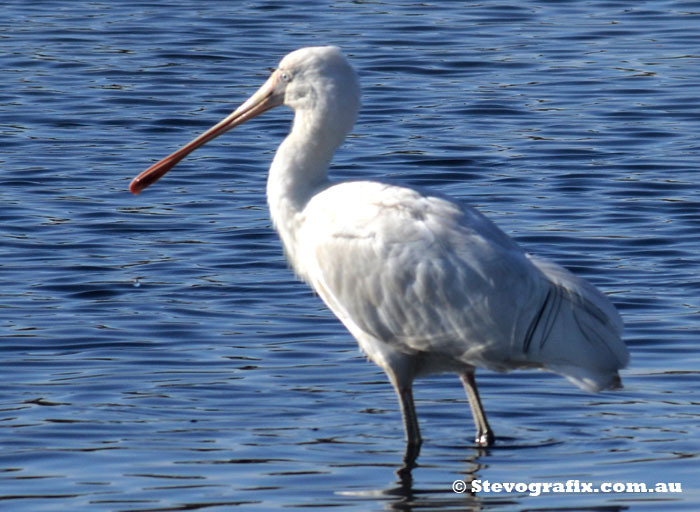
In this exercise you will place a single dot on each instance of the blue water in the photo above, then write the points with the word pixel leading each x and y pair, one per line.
pixel 157 353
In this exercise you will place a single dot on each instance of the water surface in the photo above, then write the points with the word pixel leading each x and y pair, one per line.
pixel 157 352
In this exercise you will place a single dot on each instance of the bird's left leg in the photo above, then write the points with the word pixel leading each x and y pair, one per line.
pixel 484 434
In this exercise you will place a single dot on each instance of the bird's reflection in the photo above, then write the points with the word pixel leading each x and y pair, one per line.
pixel 406 498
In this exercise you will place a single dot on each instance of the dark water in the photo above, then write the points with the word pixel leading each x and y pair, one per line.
pixel 157 354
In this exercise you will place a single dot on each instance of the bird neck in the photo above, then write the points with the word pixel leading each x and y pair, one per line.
pixel 298 172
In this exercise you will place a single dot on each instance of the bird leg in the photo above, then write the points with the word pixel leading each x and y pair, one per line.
pixel 484 434
pixel 410 419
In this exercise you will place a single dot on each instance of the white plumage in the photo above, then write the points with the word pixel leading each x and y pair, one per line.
pixel 425 284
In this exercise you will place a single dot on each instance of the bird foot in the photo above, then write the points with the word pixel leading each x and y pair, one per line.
pixel 484 439
pixel 412 451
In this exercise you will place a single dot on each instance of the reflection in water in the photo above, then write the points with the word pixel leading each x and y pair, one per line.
pixel 403 496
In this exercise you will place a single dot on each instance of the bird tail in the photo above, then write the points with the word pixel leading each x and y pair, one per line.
pixel 576 331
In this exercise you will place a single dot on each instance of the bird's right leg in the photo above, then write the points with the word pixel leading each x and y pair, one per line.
pixel 404 391
pixel 484 434
pixel 408 411
pixel 410 424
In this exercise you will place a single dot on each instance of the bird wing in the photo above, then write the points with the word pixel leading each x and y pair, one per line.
pixel 422 274
pixel 419 272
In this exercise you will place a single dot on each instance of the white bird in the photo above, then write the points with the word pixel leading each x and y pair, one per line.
pixel 424 283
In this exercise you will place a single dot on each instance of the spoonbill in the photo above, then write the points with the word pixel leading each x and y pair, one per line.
pixel 424 283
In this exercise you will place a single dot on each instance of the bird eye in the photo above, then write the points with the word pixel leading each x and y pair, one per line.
pixel 286 77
